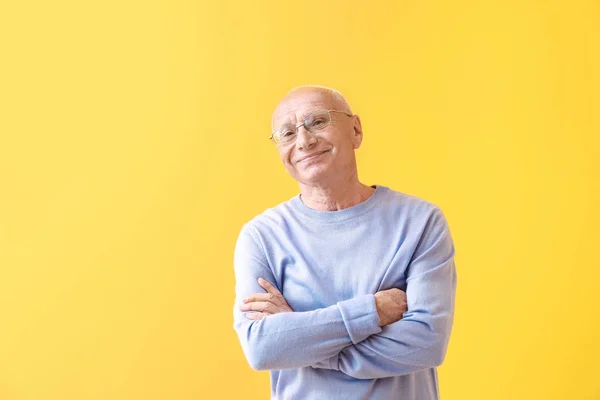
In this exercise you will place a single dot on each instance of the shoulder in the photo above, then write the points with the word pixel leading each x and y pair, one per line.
pixel 271 218
pixel 254 234
pixel 409 204
pixel 423 219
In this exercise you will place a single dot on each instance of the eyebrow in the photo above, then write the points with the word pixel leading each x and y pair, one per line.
pixel 306 114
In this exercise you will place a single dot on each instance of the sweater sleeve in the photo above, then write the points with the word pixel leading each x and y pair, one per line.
pixel 293 339
pixel 420 339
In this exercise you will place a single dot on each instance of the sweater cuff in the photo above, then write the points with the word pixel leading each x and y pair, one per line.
pixel 360 317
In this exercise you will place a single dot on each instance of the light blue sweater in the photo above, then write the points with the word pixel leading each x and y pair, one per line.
pixel 328 265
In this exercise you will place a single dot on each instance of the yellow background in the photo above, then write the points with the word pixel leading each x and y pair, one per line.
pixel 133 146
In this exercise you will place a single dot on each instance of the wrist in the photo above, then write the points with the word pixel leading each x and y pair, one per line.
pixel 379 307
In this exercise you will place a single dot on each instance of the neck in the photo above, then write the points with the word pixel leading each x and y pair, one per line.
pixel 336 196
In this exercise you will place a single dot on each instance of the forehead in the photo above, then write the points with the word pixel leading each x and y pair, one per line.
pixel 297 105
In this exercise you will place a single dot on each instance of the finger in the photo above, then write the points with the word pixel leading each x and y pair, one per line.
pixel 269 287
pixel 258 306
pixel 270 297
pixel 280 301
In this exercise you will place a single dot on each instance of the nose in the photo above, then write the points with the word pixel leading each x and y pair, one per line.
pixel 305 139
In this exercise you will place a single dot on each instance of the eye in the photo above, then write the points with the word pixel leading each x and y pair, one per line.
pixel 285 133
pixel 317 122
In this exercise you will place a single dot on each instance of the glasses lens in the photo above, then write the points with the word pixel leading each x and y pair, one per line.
pixel 317 121
pixel 285 134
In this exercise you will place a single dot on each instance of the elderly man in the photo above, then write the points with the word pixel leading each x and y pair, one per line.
pixel 345 291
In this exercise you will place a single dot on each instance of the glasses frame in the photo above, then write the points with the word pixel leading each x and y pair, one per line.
pixel 303 123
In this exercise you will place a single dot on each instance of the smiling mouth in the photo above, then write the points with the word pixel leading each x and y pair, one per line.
pixel 313 156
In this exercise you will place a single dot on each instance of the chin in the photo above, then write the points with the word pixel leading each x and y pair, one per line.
pixel 312 175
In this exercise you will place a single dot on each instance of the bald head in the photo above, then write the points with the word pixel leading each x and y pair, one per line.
pixel 319 96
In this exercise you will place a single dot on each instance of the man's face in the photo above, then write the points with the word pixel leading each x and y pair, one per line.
pixel 331 151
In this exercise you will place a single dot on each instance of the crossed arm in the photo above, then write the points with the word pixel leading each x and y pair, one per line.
pixel 362 337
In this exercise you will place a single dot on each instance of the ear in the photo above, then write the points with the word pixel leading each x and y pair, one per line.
pixel 358 132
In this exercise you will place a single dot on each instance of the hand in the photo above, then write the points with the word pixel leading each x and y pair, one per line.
pixel 268 303
pixel 391 304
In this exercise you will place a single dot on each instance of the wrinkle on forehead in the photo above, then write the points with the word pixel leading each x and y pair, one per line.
pixel 303 100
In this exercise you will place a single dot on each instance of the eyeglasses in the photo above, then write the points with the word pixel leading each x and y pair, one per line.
pixel 313 122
